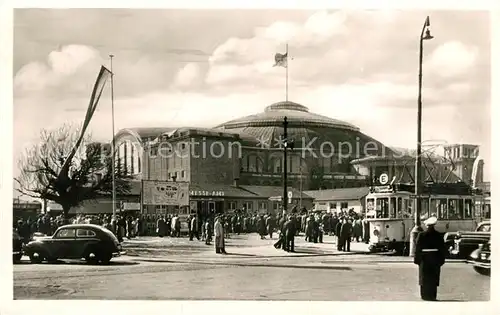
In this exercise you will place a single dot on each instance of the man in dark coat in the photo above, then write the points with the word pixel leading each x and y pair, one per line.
pixel 345 234
pixel 430 253
pixel 290 231
pixel 261 227
pixel 340 241
pixel 270 224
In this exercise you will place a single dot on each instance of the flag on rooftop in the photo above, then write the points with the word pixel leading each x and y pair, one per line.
pixel 281 60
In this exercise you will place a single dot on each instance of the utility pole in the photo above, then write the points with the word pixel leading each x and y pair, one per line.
pixel 425 35
pixel 285 164
pixel 113 151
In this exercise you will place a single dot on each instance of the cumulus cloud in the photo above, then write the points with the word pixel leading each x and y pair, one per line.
pixel 452 59
pixel 60 65
pixel 358 66
pixel 188 75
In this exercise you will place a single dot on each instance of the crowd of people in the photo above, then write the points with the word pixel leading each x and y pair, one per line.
pixel 346 226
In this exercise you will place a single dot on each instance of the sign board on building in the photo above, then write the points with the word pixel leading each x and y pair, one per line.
pixel 206 193
pixel 165 193
pixel 131 206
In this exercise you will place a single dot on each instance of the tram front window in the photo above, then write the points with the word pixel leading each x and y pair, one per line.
pixel 405 208
pixel 468 209
pixel 486 211
pixel 382 207
pixel 453 209
pixel 393 207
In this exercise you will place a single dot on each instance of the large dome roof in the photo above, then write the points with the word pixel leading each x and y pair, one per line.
pixel 303 127
pixel 297 116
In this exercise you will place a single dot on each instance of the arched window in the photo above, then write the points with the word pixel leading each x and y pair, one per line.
pixel 255 164
pixel 244 164
pixel 275 165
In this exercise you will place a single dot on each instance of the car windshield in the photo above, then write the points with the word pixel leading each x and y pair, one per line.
pixel 484 228
pixel 65 233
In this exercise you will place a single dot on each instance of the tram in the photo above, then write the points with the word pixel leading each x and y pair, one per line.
pixel 390 212
pixel 483 207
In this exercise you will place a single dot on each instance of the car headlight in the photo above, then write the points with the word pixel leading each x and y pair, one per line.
pixel 475 254
pixel 376 232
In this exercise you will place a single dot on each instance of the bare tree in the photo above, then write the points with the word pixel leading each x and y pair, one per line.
pixel 86 176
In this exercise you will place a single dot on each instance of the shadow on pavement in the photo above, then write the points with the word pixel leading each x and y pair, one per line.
pixel 345 268
pixel 81 263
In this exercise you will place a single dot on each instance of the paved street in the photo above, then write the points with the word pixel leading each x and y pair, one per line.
pixel 179 269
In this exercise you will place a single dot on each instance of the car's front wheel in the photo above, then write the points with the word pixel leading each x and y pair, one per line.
pixel 105 258
pixel 482 271
pixel 36 257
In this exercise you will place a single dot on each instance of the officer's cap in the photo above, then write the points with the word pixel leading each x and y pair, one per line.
pixel 431 221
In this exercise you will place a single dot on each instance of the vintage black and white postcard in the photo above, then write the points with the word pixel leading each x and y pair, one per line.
pixel 286 154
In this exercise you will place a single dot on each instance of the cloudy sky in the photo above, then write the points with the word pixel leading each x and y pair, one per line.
pixel 201 68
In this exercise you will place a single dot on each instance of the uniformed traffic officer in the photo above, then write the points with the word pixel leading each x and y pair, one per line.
pixel 430 255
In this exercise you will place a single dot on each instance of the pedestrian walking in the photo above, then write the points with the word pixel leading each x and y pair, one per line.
pixel 345 234
pixel 290 231
pixel 270 224
pixel 219 236
pixel 160 227
pixel 340 241
pixel 430 253
pixel 208 232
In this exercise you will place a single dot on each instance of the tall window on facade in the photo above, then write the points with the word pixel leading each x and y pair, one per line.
pixel 231 205
pixel 276 206
pixel 276 165
pixel 263 205
pixel 244 164
pixel 126 158
pixel 133 158
pixel 161 209
pixel 255 164
pixel 248 206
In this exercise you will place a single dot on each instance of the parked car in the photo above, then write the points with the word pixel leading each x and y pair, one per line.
pixel 464 242
pixel 92 242
pixel 480 259
pixel 17 246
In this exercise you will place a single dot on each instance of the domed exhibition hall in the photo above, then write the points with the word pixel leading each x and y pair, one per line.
pixel 239 164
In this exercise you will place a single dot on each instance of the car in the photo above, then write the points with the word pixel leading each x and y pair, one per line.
pixel 17 246
pixel 464 243
pixel 480 259
pixel 94 243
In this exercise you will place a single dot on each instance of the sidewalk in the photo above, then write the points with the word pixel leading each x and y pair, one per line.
pixel 249 249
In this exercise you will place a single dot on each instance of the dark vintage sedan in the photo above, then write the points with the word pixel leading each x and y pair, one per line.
pixel 465 242
pixel 17 246
pixel 94 243
pixel 480 259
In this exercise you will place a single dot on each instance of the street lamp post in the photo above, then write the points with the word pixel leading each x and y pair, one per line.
pixel 425 35
pixel 285 189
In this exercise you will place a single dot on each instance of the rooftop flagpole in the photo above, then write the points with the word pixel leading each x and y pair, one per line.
pixel 113 139
pixel 286 66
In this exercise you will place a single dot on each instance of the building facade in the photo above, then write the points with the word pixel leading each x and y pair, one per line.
pixel 224 165
pixel 340 200
pixel 24 209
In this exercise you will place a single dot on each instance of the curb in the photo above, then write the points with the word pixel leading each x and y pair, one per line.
pixel 317 265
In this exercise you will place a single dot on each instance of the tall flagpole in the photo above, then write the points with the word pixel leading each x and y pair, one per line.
pixel 286 54
pixel 113 139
